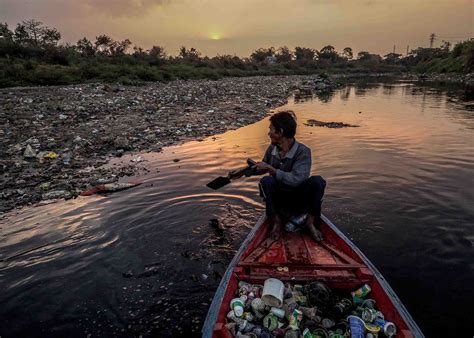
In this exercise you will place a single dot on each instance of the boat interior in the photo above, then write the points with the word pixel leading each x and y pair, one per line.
pixel 298 259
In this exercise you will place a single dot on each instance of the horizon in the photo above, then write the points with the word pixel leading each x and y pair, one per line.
pixel 239 28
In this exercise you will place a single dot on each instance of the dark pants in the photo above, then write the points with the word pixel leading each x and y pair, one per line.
pixel 306 198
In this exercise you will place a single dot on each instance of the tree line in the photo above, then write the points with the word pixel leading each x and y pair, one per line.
pixel 32 53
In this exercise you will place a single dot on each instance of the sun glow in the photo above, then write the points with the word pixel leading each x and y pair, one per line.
pixel 215 36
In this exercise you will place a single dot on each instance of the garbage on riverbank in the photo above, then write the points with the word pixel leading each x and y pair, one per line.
pixel 309 311
pixel 55 140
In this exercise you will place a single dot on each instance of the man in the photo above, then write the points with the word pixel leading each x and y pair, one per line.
pixel 289 186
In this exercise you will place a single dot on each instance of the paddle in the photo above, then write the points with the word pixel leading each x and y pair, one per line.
pixel 221 181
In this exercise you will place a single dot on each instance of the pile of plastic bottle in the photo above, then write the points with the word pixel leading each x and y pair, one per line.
pixel 312 310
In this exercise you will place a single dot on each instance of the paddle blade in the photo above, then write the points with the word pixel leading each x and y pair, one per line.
pixel 218 182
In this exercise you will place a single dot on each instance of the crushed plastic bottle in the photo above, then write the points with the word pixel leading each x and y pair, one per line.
pixel 238 305
pixel 295 223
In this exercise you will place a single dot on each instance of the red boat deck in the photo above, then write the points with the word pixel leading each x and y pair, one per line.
pixel 296 257
pixel 296 254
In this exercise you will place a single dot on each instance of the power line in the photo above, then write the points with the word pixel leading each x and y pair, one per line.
pixel 446 38
pixel 456 35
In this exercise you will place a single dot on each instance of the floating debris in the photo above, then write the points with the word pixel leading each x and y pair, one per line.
pixel 110 187
pixel 316 123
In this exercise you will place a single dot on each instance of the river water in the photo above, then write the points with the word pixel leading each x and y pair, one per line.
pixel 146 261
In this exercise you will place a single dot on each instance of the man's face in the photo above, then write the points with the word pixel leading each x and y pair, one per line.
pixel 275 136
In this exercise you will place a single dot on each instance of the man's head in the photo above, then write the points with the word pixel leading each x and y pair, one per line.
pixel 282 125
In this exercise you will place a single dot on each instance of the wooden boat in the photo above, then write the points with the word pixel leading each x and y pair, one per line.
pixel 336 261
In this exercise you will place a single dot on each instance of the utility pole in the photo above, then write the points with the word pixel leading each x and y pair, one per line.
pixel 432 38
pixel 394 49
pixel 407 48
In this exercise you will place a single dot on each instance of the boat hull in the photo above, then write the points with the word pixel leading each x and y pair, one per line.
pixel 336 261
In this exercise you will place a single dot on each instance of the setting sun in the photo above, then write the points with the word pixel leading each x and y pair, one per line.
pixel 215 36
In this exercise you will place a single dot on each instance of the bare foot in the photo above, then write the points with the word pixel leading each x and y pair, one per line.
pixel 316 234
pixel 276 229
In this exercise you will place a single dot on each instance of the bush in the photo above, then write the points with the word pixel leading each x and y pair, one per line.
pixel 147 73
pixel 53 75
pixel 57 55
pixel 468 55
pixel 30 65
pixel 24 63
pixel 11 74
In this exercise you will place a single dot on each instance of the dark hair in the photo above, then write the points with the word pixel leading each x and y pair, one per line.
pixel 285 122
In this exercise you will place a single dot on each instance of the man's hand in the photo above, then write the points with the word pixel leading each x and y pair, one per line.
pixel 263 167
pixel 237 173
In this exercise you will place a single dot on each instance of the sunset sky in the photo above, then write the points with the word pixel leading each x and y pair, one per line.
pixel 239 27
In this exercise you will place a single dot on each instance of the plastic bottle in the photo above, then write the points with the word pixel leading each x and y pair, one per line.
pixel 295 222
pixel 237 305
pixel 362 291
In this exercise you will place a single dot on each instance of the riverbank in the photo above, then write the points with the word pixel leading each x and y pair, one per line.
pixel 432 78
pixel 448 78
pixel 55 140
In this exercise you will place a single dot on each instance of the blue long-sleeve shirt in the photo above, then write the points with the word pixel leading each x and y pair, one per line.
pixel 294 168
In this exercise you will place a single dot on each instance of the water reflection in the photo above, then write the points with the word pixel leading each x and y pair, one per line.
pixel 388 89
pixel 366 88
pixel 345 93
pixel 147 260
pixel 325 96
pixel 303 97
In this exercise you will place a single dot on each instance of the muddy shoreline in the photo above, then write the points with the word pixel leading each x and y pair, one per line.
pixel 55 140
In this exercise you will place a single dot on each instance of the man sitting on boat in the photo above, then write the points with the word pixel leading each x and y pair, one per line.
pixel 289 189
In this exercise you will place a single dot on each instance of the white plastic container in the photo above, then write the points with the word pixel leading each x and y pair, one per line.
pixel 272 294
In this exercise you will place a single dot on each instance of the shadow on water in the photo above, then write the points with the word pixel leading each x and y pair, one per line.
pixel 148 260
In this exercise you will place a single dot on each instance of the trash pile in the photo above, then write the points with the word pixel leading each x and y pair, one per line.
pixel 55 140
pixel 309 311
